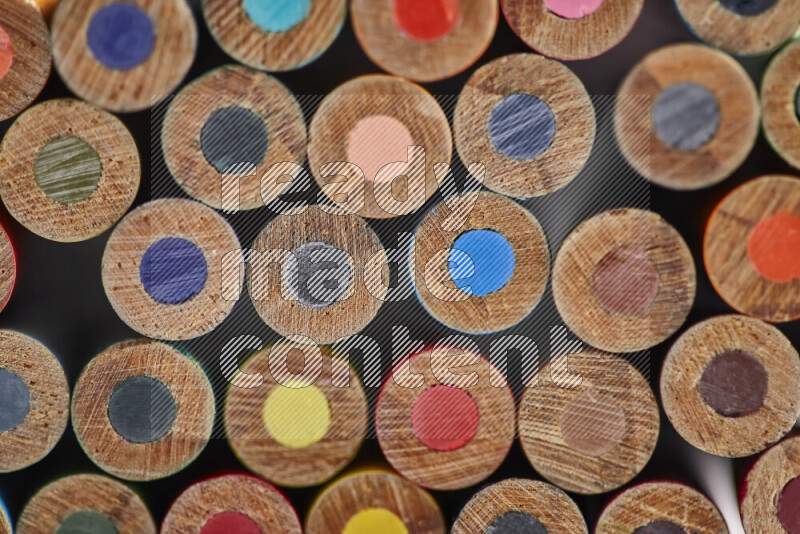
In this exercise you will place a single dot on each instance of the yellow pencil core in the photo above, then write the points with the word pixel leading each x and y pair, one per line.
pixel 297 416
pixel 374 520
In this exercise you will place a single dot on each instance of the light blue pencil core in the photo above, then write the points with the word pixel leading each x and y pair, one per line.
pixel 277 15
pixel 481 262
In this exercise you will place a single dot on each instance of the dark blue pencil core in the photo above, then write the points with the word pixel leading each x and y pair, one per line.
pixel 232 136
pixel 141 409
pixel 686 116
pixel 516 523
pixel 173 270
pixel 748 8
pixel 660 527
pixel 522 127
pixel 15 400
pixel 121 36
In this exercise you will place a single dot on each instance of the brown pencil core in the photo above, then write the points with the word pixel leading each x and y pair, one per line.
pixel 593 423
pixel 734 383
pixel 625 282
pixel 788 506
pixel 660 527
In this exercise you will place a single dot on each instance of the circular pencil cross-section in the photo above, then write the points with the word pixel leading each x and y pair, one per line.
pixel 480 262
pixel 171 269
pixel 517 506
pixel 123 56
pixel 86 503
pixel 34 401
pixel 624 280
pixel 449 34
pixel 746 28
pixel 529 121
pixel 442 430
pixel 72 170
pixel 593 437
pixel 780 103
pixel 752 248
pixel 316 274
pixel 296 431
pixel 360 143
pixel 157 410
pixel 24 56
pixel 661 508
pixel 570 29
pixel 375 502
pixel 772 491
pixel 8 268
pixel 275 35
pixel 686 116
pixel 227 130
pixel 231 503
pixel 730 385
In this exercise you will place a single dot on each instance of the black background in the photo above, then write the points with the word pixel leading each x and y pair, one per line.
pixel 59 298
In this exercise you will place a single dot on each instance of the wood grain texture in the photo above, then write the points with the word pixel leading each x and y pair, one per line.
pixel 5 525
pixel 719 157
pixel 354 493
pixel 570 39
pixel 376 95
pixel 779 103
pixel 697 422
pixel 764 483
pixel 256 499
pixel 394 51
pixel 8 268
pixel 146 225
pixel 194 401
pixel 725 248
pixel 26 200
pixel 552 507
pixel 31 63
pixel 498 310
pixel 541 420
pixel 133 89
pixel 228 86
pixel 453 469
pixel 346 316
pixel 311 465
pixel 741 35
pixel 661 501
pixel 574 268
pixel 247 43
pixel 105 496
pixel 552 83
pixel 36 436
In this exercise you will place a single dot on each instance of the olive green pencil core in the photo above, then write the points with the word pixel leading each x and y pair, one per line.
pixel 68 169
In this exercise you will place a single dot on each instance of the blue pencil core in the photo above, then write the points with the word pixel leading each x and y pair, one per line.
pixel 277 15
pixel 121 36
pixel 481 262
pixel 173 270
pixel 15 400
pixel 748 8
pixel 522 126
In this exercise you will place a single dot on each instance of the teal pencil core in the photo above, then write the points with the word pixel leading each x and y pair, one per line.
pixel 68 169
pixel 277 15
pixel 86 522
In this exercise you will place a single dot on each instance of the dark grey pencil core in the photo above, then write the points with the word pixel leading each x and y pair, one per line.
pixel 318 274
pixel 516 523
pixel 233 136
pixel 15 400
pixel 797 103
pixel 686 116
pixel 660 527
pixel 142 409
pixel 86 522
pixel 748 8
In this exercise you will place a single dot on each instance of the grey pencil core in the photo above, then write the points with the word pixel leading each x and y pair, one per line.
pixel 686 116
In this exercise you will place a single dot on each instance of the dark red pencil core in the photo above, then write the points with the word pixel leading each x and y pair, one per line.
pixel 734 383
pixel 445 418
pixel 789 506
pixel 230 523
